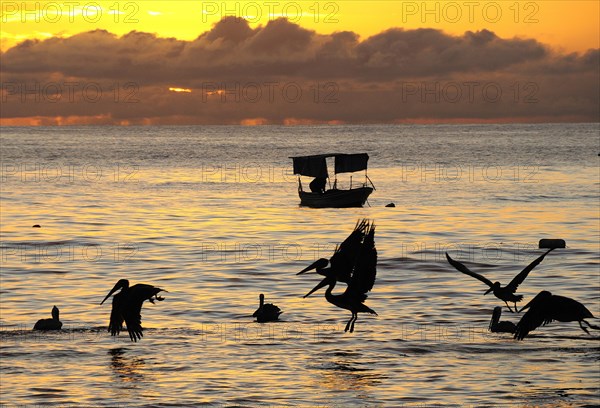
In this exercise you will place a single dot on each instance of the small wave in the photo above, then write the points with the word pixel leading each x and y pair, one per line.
pixel 46 395
pixel 342 367
pixel 418 350
pixel 49 390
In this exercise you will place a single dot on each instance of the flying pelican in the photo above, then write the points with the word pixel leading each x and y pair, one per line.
pixel 343 259
pixel 546 307
pixel 496 326
pixel 49 324
pixel 127 306
pixel 361 281
pixel 506 293
pixel 266 312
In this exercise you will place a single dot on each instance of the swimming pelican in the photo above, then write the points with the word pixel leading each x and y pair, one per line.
pixel 506 293
pixel 266 312
pixel 127 306
pixel 546 307
pixel 361 281
pixel 343 258
pixel 496 326
pixel 49 324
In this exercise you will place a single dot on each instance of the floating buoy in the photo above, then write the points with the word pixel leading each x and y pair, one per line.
pixel 391 205
pixel 36 226
pixel 552 243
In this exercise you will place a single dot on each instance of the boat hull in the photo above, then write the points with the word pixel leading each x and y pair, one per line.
pixel 355 197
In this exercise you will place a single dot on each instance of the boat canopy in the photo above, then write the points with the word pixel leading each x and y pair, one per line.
pixel 349 163
pixel 316 165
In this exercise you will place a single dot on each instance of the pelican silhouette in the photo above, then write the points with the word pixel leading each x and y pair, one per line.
pixel 49 324
pixel 506 293
pixel 496 326
pixel 127 306
pixel 343 258
pixel 546 307
pixel 266 312
pixel 361 280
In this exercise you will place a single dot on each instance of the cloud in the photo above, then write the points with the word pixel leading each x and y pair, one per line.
pixel 283 73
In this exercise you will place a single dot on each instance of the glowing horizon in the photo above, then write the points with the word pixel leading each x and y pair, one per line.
pixel 298 62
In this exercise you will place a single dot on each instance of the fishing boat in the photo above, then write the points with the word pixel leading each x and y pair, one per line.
pixel 321 197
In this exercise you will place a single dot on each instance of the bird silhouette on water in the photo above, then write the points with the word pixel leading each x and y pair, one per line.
pixel 49 324
pixel 546 307
pixel 127 307
pixel 361 274
pixel 266 312
pixel 506 293
pixel 496 326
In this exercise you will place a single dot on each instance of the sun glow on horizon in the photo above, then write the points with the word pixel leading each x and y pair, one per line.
pixel 179 90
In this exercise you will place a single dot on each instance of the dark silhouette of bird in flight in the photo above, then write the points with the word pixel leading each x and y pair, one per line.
pixel 506 293
pixel 496 326
pixel 266 312
pixel 362 277
pixel 49 324
pixel 343 259
pixel 127 307
pixel 546 307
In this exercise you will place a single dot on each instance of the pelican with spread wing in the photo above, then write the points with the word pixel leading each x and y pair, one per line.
pixel 546 307
pixel 343 259
pixel 360 272
pixel 506 293
pixel 127 307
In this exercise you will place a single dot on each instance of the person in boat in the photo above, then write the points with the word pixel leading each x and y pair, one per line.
pixel 318 185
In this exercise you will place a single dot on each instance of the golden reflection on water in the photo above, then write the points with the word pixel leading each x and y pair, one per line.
pixel 347 370
pixel 126 368
pixel 215 245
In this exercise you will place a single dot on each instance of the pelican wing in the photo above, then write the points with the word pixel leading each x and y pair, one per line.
pixel 365 271
pixel 542 309
pixel 517 280
pixel 132 313
pixel 460 267
pixel 115 325
pixel 132 308
pixel 536 316
pixel 344 258
pixel 272 309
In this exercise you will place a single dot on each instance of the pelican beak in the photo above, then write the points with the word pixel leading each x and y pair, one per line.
pixel 308 268
pixel 113 290
pixel 321 284
pixel 488 291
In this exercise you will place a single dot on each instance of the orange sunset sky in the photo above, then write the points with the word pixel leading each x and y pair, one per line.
pixel 215 62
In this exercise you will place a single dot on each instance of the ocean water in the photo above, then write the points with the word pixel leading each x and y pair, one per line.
pixel 211 214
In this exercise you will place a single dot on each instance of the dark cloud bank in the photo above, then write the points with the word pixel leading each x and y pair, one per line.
pixel 283 73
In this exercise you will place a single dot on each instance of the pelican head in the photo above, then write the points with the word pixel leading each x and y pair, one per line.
pixel 495 286
pixel 317 265
pixel 495 317
pixel 328 280
pixel 261 299
pixel 543 295
pixel 121 284
pixel 55 313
